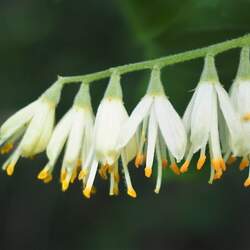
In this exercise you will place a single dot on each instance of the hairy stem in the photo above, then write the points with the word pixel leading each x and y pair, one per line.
pixel 163 61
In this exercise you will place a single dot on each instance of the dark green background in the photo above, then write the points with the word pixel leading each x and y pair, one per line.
pixel 42 38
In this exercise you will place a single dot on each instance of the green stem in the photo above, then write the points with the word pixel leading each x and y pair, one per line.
pixel 163 61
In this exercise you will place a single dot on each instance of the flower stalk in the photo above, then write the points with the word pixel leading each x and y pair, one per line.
pixel 161 62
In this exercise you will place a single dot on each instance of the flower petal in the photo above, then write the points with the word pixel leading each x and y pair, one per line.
pixel 152 136
pixel 201 116
pixel 171 127
pixel 128 130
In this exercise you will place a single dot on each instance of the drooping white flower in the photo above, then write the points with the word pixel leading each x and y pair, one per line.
pixel 210 119
pixel 240 97
pixel 110 117
pixel 76 131
pixel 162 127
pixel 36 122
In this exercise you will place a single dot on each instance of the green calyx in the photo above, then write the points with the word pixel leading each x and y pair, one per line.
pixel 83 98
pixel 155 86
pixel 243 72
pixel 114 89
pixel 53 93
pixel 209 73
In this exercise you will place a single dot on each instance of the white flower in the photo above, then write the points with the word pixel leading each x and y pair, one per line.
pixel 240 97
pixel 110 117
pixel 163 126
pixel 76 127
pixel 36 122
pixel 210 119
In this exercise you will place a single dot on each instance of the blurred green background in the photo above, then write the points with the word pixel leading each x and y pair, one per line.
pixel 42 38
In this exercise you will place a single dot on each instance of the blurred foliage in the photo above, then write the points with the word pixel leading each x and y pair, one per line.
pixel 42 38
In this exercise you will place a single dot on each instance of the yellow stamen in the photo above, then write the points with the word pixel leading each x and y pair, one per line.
pixel 164 163
pixel 139 160
pixel 65 185
pixel 223 165
pixel 48 179
pixel 110 169
pixel 10 169
pixel 79 163
pixel 201 161
pixel 103 172
pixel 87 192
pixel 231 160
pixel 117 177
pixel 244 163
pixel 216 163
pixel 6 148
pixel 218 175
pixel 63 175
pixel 246 117
pixel 175 168
pixel 93 190
pixel 148 171
pixel 74 175
pixel 82 174
pixel 131 192
pixel 247 182
pixel 184 167
pixel 116 190
pixel 43 174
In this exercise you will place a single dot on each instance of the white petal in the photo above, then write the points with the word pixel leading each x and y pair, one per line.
pixel 201 116
pixel 214 132
pixel 17 121
pixel 129 128
pixel 152 135
pixel 171 127
pixel 46 133
pixel 110 116
pixel 74 144
pixel 230 117
pixel 35 129
pixel 188 112
pixel 59 137
pixel 87 138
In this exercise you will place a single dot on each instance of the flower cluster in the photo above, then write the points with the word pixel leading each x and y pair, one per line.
pixel 214 121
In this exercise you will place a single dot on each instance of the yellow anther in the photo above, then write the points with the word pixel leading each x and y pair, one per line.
pixel 116 190
pixel 218 174
pixel 246 117
pixel 247 182
pixel 148 171
pixel 65 185
pixel 6 148
pixel 82 174
pixel 244 163
pixel 10 169
pixel 175 168
pixel 63 175
pixel 216 164
pixel 74 175
pixel 103 171
pixel 117 177
pixel 184 167
pixel 131 192
pixel 139 160
pixel 110 169
pixel 164 163
pixel 231 160
pixel 87 192
pixel 43 174
pixel 79 163
pixel 223 165
pixel 48 179
pixel 201 161
pixel 93 190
